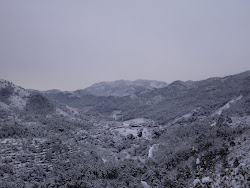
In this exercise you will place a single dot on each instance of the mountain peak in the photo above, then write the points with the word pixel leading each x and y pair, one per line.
pixel 121 87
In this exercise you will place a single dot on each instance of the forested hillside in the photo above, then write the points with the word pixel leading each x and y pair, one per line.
pixel 186 134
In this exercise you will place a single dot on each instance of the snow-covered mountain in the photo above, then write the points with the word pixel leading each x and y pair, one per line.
pixel 16 101
pixel 207 95
pixel 187 134
pixel 51 91
pixel 120 88
pixel 13 96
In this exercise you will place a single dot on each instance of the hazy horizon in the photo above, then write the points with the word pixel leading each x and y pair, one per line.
pixel 70 45
pixel 123 80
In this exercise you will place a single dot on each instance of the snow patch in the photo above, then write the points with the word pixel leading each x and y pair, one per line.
pixel 146 134
pixel 213 124
pixel 104 160
pixel 196 182
pixel 116 115
pixel 206 180
pixel 127 131
pixel 226 106
pixel 61 112
pixel 198 161
pixel 126 124
pixel 145 184
pixel 136 121
pixel 151 151
pixel 73 110
pixel 187 115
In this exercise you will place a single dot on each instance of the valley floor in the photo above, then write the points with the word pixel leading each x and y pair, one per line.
pixel 127 154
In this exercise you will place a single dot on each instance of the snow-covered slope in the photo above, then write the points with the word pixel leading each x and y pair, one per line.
pixel 127 141
pixel 15 99
pixel 226 106
pixel 13 95
pixel 120 88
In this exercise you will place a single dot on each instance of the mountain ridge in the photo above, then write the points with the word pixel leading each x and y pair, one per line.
pixel 162 100
pixel 120 87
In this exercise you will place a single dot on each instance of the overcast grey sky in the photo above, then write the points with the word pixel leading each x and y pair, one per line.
pixel 70 45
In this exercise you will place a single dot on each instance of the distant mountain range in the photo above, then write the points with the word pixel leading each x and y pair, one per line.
pixel 161 104
pixel 117 88
pixel 140 98
pixel 51 91
pixel 120 88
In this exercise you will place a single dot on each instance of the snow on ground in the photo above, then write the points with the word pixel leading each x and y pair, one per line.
pixel 242 150
pixel 196 182
pixel 213 124
pixel 226 106
pixel 134 126
pixel 135 121
pixel 126 124
pixel 185 116
pixel 237 99
pixel 139 122
pixel 237 175
pixel 198 161
pixel 61 112
pixel 116 115
pixel 33 124
pixel 12 150
pixel 8 140
pixel 16 89
pixel 146 134
pixel 145 184
pixel 127 131
pixel 17 102
pixel 20 91
pixel 220 110
pixel 4 106
pixel 18 99
pixel 73 110
pixel 138 158
pixel 104 160
pixel 151 150
pixel 240 121
pixel 206 180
